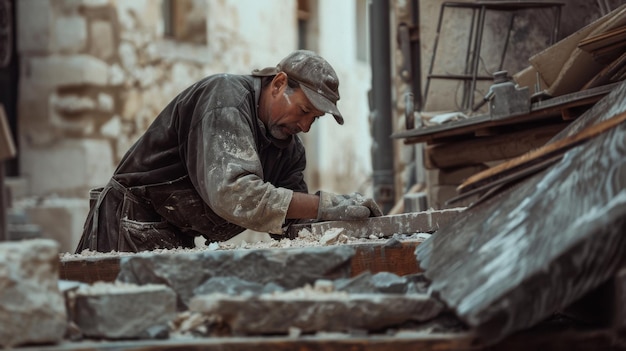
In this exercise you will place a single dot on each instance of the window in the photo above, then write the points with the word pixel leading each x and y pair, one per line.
pixel 185 20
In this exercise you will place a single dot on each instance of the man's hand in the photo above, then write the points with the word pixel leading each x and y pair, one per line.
pixel 333 207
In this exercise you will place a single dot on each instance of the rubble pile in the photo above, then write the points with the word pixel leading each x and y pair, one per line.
pixel 206 293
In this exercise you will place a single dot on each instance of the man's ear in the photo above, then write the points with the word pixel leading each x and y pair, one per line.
pixel 279 82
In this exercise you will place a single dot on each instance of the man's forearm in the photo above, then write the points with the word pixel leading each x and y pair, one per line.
pixel 303 206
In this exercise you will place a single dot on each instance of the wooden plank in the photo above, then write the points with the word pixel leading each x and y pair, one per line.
pixel 571 339
pixel 342 342
pixel 607 74
pixel 536 247
pixel 90 270
pixel 399 259
pixel 540 111
pixel 486 149
pixel 373 257
pixel 540 155
pixel 604 39
pixel 578 67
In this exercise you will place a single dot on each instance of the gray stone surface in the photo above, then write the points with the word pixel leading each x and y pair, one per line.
pixel 367 283
pixel 312 312
pixel 235 286
pixel 386 226
pixel 290 268
pixel 32 309
pixel 123 311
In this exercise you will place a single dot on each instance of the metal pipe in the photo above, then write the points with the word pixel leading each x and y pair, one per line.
pixel 382 148
pixel 416 55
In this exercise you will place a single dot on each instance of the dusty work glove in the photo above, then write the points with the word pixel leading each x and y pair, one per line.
pixel 333 207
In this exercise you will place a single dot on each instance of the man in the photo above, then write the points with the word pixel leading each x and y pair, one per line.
pixel 223 156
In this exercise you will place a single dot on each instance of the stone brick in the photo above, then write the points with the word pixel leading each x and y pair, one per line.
pixel 71 104
pixel 34 21
pixel 70 167
pixel 70 34
pixel 102 44
pixel 314 312
pixel 289 268
pixel 61 220
pixel 68 70
pixel 386 226
pixel 112 128
pixel 122 311
pixel 32 309
pixel 381 282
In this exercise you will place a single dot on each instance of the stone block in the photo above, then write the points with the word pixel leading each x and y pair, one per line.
pixel 70 34
pixel 289 268
pixel 235 286
pixel 102 40
pixel 34 23
pixel 60 219
pixel 122 311
pixel 32 309
pixel 68 70
pixel 314 311
pixel 17 187
pixel 386 226
pixel 69 168
pixel 382 282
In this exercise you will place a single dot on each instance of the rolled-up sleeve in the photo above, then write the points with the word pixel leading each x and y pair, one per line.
pixel 224 166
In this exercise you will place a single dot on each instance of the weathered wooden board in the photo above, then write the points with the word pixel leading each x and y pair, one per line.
pixel 343 342
pixel 540 111
pixel 568 340
pixel 535 248
pixel 492 148
pixel 374 257
pixel 534 157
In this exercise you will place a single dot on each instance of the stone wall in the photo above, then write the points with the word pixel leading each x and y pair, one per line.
pixel 95 73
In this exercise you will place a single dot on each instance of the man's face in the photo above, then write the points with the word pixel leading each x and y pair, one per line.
pixel 290 111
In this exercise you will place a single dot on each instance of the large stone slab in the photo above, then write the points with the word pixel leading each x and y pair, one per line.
pixel 123 311
pixel 386 226
pixel 289 268
pixel 32 309
pixel 311 311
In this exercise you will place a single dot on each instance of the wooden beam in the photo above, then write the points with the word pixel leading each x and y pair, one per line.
pixel 542 339
pixel 486 149
pixel 417 341
pixel 546 152
pixel 540 111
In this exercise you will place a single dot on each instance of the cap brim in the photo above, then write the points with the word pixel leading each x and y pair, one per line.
pixel 321 103
pixel 268 71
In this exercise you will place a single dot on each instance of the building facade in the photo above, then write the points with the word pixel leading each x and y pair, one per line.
pixel 93 74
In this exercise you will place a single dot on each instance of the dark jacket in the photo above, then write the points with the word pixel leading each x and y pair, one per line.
pixel 205 166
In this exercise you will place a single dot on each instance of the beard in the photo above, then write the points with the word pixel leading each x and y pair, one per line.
pixel 279 132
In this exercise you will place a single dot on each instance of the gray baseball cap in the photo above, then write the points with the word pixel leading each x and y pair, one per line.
pixel 316 76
